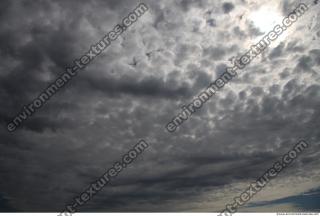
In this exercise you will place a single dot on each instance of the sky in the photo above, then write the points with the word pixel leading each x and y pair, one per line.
pixel 179 48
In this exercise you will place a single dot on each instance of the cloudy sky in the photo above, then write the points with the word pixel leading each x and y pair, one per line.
pixel 179 47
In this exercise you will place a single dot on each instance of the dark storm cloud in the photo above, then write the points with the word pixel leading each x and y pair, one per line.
pixel 287 6
pixel 183 183
pixel 148 86
pixel 4 205
pixel 220 69
pixel 212 22
pixel 227 7
pixel 187 4
pixel 131 91
pixel 277 52
pixel 215 53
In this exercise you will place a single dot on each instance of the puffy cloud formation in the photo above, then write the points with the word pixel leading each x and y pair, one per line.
pixel 135 87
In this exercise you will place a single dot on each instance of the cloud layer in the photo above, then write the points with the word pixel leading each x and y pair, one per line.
pixel 178 48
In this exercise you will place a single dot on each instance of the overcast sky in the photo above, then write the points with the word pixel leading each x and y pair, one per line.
pixel 180 47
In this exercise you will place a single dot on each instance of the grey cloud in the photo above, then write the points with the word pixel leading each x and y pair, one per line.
pixel 111 104
pixel 227 7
